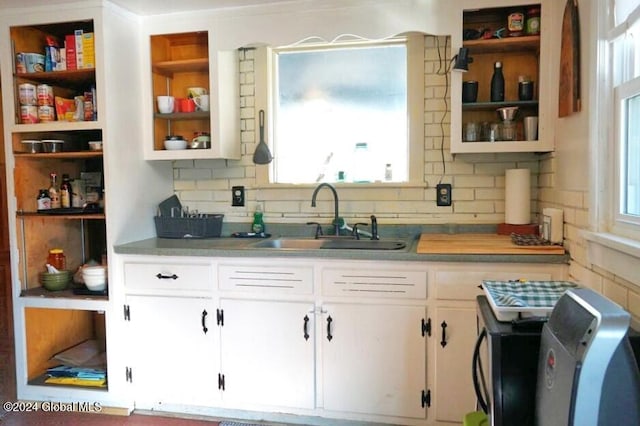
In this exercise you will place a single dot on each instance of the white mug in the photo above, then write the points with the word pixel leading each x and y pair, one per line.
pixel 202 102
pixel 165 104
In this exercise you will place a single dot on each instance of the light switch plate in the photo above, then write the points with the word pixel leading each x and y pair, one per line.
pixel 443 194
pixel 237 196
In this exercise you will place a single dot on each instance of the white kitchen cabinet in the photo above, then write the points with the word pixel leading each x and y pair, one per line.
pixel 523 56
pixel 172 350
pixel 454 332
pixel 175 62
pixel 373 359
pixel 267 353
pixel 456 287
pixel 82 235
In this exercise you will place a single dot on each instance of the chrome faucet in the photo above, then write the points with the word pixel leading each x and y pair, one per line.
pixel 374 228
pixel 336 220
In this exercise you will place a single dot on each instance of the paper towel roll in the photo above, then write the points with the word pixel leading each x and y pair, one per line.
pixel 517 197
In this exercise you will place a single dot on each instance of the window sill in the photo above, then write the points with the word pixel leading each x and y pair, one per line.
pixel 614 254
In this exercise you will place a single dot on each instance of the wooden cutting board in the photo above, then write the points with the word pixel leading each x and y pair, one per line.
pixel 478 244
pixel 569 90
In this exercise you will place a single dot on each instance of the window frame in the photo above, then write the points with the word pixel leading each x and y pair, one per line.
pixel 265 81
pixel 609 142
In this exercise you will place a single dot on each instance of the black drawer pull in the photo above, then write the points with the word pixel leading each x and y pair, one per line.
pixel 304 327
pixel 204 321
pixel 166 277
pixel 443 342
pixel 329 321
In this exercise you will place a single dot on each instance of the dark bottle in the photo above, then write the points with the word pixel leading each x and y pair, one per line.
pixel 65 192
pixel 497 83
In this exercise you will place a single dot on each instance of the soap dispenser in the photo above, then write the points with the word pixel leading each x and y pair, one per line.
pixel 258 221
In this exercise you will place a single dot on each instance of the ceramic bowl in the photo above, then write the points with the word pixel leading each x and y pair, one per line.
pixel 55 281
pixel 173 144
pixel 95 277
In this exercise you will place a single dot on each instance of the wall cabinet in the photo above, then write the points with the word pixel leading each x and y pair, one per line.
pixel 180 62
pixel 523 57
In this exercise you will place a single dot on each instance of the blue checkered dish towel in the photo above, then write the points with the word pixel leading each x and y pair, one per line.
pixel 531 294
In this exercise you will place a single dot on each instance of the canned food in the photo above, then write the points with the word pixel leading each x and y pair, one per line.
pixel 28 114
pixel 27 94
pixel 46 113
pixel 44 95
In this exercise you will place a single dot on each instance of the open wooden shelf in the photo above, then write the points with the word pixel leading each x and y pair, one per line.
pixel 63 155
pixel 167 68
pixel 500 45
pixel 72 78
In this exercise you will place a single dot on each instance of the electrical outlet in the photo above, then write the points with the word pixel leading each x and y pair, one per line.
pixel 443 194
pixel 237 196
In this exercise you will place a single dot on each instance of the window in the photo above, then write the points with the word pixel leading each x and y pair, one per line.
pixel 624 45
pixel 342 112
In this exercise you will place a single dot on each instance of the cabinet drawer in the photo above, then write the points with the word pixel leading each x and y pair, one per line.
pixel 391 283
pixel 263 278
pixel 464 285
pixel 169 276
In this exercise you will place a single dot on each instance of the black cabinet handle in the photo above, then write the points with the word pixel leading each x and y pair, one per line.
pixel 166 277
pixel 304 327
pixel 204 321
pixel 329 321
pixel 443 342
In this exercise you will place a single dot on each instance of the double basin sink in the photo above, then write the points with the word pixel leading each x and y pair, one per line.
pixel 330 244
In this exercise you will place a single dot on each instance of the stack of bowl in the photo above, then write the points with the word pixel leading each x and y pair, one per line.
pixel 55 281
pixel 95 277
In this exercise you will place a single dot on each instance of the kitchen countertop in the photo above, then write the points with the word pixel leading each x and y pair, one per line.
pixel 243 247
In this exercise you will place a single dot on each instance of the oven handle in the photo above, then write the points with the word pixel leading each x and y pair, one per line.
pixel 477 367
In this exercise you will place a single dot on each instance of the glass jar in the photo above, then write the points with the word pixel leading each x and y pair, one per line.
pixel 57 259
pixel 362 163
pixel 533 21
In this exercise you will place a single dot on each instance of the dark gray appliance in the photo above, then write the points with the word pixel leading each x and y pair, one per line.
pixel 587 371
pixel 505 367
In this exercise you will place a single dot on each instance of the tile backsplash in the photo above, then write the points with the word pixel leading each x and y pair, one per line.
pixel 477 179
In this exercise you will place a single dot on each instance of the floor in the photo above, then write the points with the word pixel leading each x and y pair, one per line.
pixel 41 418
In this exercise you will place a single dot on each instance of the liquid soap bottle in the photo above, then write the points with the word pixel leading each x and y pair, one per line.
pixel 497 83
pixel 258 221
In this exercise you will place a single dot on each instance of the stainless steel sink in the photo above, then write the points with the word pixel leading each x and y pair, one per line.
pixel 290 244
pixel 331 244
pixel 365 244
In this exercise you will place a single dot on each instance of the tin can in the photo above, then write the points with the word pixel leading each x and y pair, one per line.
pixel 28 114
pixel 44 95
pixel 27 94
pixel 46 113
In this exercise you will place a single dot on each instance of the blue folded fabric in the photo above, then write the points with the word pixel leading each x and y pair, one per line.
pixel 527 294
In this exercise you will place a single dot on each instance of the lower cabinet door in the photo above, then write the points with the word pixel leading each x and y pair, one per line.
pixel 267 353
pixel 373 359
pixel 455 331
pixel 173 355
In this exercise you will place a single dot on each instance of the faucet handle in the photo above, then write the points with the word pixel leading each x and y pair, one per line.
pixel 318 229
pixel 374 228
pixel 355 229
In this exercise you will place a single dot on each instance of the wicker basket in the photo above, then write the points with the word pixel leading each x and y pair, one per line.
pixel 203 226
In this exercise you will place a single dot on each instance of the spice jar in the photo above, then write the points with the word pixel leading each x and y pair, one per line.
pixel 533 21
pixel 516 22
pixel 57 259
